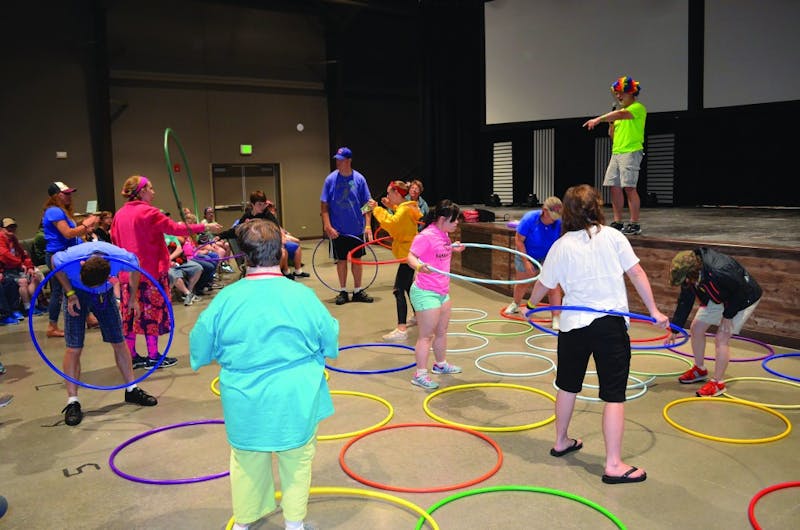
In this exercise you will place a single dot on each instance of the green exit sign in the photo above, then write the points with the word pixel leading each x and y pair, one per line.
pixel 245 149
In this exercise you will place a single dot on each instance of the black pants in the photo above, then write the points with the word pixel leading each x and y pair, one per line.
pixel 402 286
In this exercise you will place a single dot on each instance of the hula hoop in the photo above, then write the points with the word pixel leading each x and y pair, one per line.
pixel 489 280
pixel 465 350
pixel 323 282
pixel 435 489
pixel 519 353
pixel 775 372
pixel 357 261
pixel 89 385
pixel 638 383
pixel 167 133
pixel 533 489
pixel 540 348
pixel 770 351
pixel 769 380
pixel 213 260
pixel 215 383
pixel 661 354
pixel 513 428
pixel 520 318
pixel 470 327
pixel 368 372
pixel 481 312
pixel 627 387
pixel 356 492
pixel 381 423
pixel 751 508
pixel 382 239
pixel 168 482
pixel 775 413
pixel 636 316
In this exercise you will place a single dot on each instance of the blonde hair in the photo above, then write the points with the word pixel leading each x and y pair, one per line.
pixel 132 188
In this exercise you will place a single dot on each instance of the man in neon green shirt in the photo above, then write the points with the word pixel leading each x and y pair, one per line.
pixel 626 127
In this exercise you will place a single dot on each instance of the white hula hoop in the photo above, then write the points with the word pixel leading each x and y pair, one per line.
pixel 628 398
pixel 540 348
pixel 485 342
pixel 515 353
pixel 481 313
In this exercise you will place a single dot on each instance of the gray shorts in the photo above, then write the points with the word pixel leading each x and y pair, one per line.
pixel 623 170
pixel 712 314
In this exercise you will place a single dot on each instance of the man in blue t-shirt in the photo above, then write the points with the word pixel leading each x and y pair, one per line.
pixel 345 220
pixel 85 282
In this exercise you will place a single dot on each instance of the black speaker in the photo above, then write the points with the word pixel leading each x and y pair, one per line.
pixel 485 216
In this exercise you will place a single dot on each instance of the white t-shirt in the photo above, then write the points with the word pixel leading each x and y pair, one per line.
pixel 591 272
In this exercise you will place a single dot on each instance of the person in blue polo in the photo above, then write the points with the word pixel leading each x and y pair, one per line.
pixel 85 282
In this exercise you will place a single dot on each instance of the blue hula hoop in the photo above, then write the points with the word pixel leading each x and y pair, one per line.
pixel 53 367
pixel 775 372
pixel 677 329
pixel 490 280
pixel 371 372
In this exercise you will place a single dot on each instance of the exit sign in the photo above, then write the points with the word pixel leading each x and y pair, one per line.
pixel 245 149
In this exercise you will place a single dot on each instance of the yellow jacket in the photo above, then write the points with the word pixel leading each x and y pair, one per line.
pixel 401 225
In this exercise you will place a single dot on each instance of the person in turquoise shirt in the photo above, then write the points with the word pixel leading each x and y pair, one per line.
pixel 626 128
pixel 272 381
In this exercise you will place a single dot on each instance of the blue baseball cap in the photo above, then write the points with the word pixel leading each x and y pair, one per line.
pixel 342 153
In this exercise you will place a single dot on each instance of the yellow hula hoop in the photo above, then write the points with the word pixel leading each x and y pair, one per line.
pixel 769 379
pixel 358 492
pixel 215 382
pixel 783 418
pixel 384 421
pixel 513 428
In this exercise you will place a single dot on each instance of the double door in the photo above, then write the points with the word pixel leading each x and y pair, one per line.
pixel 232 184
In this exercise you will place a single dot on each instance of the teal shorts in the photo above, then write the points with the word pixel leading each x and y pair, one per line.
pixel 423 300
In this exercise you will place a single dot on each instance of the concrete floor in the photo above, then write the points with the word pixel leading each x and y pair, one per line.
pixel 59 476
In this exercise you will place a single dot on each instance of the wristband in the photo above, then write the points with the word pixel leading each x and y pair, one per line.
pixel 419 266
pixel 71 292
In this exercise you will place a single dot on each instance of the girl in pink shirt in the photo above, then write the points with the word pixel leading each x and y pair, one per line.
pixel 429 294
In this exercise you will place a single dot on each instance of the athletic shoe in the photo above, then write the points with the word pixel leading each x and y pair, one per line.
pixel 168 361
pixel 2 369
pixel 196 298
pixel 188 299
pixel 511 308
pixel 140 397
pixel 342 298
pixel 619 226
pixel 18 315
pixel 138 362
pixel 556 324
pixel 5 399
pixel 632 229
pixel 10 321
pixel 396 335
pixel 38 311
pixel 72 413
pixel 693 375
pixel 301 274
pixel 362 296
pixel 425 381
pixel 225 267
pixel 711 389
pixel 446 368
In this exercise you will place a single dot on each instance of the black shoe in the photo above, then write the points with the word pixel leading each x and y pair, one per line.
pixel 168 361
pixel 139 362
pixel 362 296
pixel 342 298
pixel 301 274
pixel 619 226
pixel 72 413
pixel 140 397
pixel 289 275
pixel 632 229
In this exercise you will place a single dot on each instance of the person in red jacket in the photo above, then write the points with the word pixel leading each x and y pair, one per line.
pixel 16 265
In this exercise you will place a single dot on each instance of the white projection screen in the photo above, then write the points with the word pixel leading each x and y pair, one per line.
pixel 556 59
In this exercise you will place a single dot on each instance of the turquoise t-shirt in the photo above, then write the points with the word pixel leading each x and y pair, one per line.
pixel 629 134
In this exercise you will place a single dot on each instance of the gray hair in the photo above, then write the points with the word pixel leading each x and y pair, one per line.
pixel 261 242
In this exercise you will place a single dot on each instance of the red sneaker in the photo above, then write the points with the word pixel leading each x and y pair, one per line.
pixel 693 375
pixel 711 389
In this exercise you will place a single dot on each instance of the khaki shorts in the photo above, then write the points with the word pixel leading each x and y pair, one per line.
pixel 712 314
pixel 623 169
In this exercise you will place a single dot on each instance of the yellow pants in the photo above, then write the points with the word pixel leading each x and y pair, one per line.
pixel 253 485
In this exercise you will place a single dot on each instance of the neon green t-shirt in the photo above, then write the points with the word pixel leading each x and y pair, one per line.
pixel 629 134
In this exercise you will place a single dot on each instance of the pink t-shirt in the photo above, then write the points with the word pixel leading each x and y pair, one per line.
pixel 433 247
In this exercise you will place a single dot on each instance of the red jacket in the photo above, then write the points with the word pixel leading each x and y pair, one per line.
pixel 12 255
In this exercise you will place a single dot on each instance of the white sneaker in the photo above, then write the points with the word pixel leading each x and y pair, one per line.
pixel 396 335
pixel 412 321
pixel 556 323
pixel 512 308
pixel 188 299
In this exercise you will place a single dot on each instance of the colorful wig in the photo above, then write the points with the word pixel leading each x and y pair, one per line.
pixel 627 85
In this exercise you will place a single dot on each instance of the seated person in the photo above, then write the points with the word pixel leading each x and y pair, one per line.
pixel 203 257
pixel 18 267
pixel 220 246
pixel 292 250
pixel 9 300
pixel 183 274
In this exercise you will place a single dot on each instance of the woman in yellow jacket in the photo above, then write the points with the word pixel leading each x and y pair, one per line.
pixel 402 226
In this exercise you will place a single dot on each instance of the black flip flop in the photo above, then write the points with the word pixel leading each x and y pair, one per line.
pixel 625 478
pixel 574 447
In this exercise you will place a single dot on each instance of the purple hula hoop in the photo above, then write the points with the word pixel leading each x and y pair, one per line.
pixel 766 346
pixel 145 434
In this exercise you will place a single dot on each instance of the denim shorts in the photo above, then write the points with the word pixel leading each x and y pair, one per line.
pixel 623 169
pixel 104 307
pixel 423 300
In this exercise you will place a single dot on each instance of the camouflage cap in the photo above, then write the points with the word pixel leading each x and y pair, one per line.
pixel 683 264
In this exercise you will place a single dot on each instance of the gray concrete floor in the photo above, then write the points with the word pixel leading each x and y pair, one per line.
pixel 59 476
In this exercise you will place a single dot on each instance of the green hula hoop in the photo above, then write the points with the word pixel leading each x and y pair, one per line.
pixel 533 489
pixel 167 133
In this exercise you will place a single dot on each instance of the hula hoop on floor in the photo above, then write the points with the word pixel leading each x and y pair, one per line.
pixel 384 421
pixel 751 508
pixel 677 329
pixel 513 428
pixel 489 280
pixel 316 272
pixel 357 492
pixel 770 351
pixel 481 312
pixel 532 489
pixel 661 354
pixel 168 482
pixel 765 379
pixel 435 489
pixel 627 387
pixel 485 342
pixel 53 367
pixel 775 372
pixel 370 372
pixel 169 133
pixel 357 261
pixel 540 348
pixel 784 419
pixel 471 327
pixel 638 383
pixel 549 369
